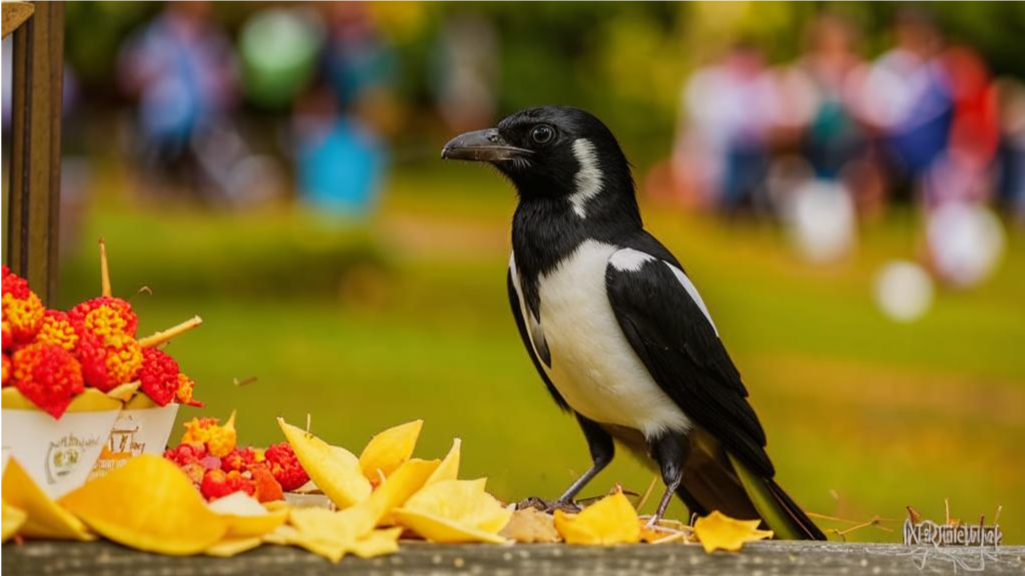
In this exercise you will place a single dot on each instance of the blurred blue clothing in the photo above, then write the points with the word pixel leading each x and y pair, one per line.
pixel 183 73
pixel 341 170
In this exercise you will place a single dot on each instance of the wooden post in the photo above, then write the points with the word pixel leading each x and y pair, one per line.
pixel 34 192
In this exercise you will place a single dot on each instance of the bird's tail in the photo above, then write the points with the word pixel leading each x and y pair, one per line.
pixel 779 512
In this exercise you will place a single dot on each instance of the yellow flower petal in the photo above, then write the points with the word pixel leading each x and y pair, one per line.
pixel 229 547
pixel 149 504
pixel 449 468
pixel 389 449
pixel 611 520
pixel 718 531
pixel 13 518
pixel 455 511
pixel 246 517
pixel 342 482
pixel 396 489
pixel 45 518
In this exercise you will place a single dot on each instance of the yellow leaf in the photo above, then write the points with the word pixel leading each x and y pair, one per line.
pixel 377 543
pixel 231 546
pixel 13 518
pixel 451 511
pixel 396 489
pixel 389 449
pixel 720 532
pixel 611 520
pixel 449 468
pixel 342 482
pixel 149 504
pixel 46 519
pixel 246 517
pixel 530 526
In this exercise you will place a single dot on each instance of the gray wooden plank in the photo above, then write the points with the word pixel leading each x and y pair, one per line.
pixel 419 559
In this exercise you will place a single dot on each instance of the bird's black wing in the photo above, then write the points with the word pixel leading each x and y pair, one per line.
pixel 679 345
pixel 521 325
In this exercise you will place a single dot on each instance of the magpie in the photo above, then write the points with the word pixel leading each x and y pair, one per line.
pixel 615 327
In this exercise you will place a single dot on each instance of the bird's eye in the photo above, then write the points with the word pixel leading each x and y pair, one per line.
pixel 542 134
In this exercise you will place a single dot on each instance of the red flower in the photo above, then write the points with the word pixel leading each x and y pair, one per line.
pixel 47 375
pixel 22 311
pixel 8 336
pixel 58 329
pixel 7 369
pixel 158 376
pixel 105 316
pixel 285 466
pixel 239 459
pixel 108 362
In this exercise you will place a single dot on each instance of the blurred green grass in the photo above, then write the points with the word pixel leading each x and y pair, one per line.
pixel 366 326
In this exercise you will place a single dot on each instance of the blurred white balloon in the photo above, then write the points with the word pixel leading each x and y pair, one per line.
pixel 966 242
pixel 822 220
pixel 904 291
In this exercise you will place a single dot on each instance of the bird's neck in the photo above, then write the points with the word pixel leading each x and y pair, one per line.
pixel 546 228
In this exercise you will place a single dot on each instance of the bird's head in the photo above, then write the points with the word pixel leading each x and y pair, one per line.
pixel 550 152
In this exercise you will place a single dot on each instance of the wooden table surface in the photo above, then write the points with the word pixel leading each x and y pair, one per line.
pixel 762 559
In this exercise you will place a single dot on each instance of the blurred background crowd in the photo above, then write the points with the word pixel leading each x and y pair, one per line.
pixel 846 182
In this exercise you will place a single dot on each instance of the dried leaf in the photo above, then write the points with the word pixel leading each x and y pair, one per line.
pixel 451 511
pixel 335 474
pixel 148 504
pixel 388 450
pixel 720 532
pixel 13 518
pixel 46 519
pixel 611 520
pixel 531 525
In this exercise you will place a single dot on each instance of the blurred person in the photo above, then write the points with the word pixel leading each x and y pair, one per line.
pixel 182 68
pixel 340 126
pixel 466 71
pixel 723 150
pixel 1011 181
pixel 904 95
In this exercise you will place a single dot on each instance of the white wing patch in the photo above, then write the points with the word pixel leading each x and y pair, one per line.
pixel 693 291
pixel 537 335
pixel 588 179
pixel 629 260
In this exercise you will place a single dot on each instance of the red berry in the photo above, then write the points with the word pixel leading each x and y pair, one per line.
pixel 215 485
pixel 158 376
pixel 239 482
pixel 285 466
pixel 48 375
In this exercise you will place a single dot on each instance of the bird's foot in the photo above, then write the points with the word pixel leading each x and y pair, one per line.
pixel 549 506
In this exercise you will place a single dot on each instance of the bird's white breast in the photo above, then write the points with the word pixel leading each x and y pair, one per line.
pixel 593 365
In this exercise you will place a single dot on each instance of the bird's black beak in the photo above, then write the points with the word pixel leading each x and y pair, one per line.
pixel 482 146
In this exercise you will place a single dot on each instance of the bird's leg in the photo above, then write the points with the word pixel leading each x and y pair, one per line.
pixel 602 448
pixel 670 451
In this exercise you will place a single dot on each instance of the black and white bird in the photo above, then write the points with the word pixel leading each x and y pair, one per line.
pixel 615 327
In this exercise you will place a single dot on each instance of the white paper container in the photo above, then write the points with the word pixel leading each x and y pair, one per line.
pixel 141 428
pixel 58 454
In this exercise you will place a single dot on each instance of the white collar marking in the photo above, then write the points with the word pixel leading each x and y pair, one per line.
pixel 588 179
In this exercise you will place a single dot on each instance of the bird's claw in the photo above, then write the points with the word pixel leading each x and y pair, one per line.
pixel 549 506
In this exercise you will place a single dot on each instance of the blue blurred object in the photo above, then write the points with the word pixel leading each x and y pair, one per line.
pixel 340 169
